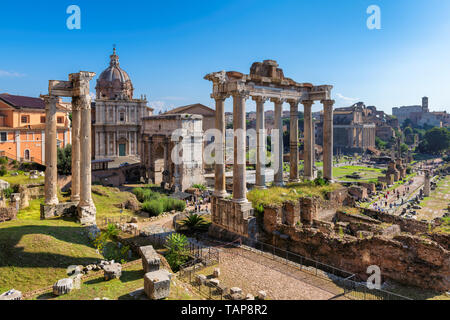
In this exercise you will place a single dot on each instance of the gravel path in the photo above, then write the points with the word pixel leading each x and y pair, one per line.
pixel 253 272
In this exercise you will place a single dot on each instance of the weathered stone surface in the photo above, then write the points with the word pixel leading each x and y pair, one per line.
pixel 87 214
pixel 216 272
pixel 249 297
pixel 237 296
pixel 63 286
pixel 112 271
pixel 67 209
pixel 235 290
pixel 12 294
pixel 262 295
pixel 150 259
pixel 200 279
pixel 157 284
pixel 7 214
pixel 214 282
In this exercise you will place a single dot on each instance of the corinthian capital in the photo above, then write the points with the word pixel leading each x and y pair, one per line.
pixel 81 102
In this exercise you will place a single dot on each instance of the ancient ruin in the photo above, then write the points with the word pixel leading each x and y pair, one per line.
pixel 265 82
pixel 78 89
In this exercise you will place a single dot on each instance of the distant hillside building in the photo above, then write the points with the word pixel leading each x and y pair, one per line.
pixel 420 115
pixel 22 127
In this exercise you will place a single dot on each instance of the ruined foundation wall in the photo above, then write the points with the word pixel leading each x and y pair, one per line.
pixel 408 259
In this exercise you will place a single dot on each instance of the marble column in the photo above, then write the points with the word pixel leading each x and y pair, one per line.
pixel 220 179
pixel 76 125
pixel 427 184
pixel 51 151
pixel 239 166
pixel 308 146
pixel 260 178
pixel 278 176
pixel 85 156
pixel 328 139
pixel 293 174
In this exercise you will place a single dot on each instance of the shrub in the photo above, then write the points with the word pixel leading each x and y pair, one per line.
pixel 7 192
pixel 153 207
pixel 199 186
pixel 178 253
pixel 3 161
pixel 144 194
pixel 3 171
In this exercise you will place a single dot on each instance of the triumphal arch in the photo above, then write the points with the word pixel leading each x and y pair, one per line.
pixel 266 82
pixel 81 199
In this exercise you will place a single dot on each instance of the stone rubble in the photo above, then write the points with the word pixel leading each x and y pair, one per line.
pixel 63 286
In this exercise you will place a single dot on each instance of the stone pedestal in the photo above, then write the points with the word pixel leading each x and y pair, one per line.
pixel 233 216
pixel 157 284
pixel 67 209
pixel 150 259
pixel 63 286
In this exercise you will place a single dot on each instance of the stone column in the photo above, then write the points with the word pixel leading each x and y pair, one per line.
pixel 239 166
pixel 86 207
pixel 427 184
pixel 51 151
pixel 293 175
pixel 278 178
pixel 328 139
pixel 220 178
pixel 76 125
pixel 308 147
pixel 260 178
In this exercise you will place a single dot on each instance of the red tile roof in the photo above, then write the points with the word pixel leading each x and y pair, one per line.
pixel 23 102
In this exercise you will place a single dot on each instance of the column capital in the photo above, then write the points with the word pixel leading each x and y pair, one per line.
pixel 50 99
pixel 327 103
pixel 241 94
pixel 260 98
pixel 278 100
pixel 82 102
pixel 307 103
pixel 219 96
pixel 293 102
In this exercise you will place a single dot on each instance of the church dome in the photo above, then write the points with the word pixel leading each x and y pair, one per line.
pixel 114 83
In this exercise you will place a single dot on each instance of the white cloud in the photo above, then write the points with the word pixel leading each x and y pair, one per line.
pixel 9 74
pixel 159 106
pixel 347 99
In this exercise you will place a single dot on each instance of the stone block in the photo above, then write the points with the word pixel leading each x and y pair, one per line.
pixel 67 209
pixel 216 272
pixel 200 279
pixel 249 297
pixel 87 214
pixel 12 294
pixel 112 271
pixel 214 283
pixel 157 284
pixel 150 259
pixel 63 286
pixel 262 295
pixel 235 290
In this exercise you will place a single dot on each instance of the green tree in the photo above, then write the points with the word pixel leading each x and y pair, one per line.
pixel 381 144
pixel 65 160
pixel 435 141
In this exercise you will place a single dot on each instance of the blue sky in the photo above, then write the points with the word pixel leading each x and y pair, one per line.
pixel 168 46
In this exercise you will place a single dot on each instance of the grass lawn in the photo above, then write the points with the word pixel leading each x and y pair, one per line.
pixel 118 289
pixel 35 253
pixel 367 174
pixel 277 195
pixel 437 203
pixel 21 179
